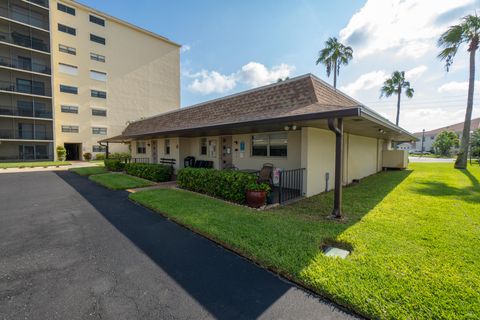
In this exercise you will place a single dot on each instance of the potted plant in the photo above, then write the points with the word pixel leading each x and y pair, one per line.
pixel 257 194
pixel 61 153
pixel 87 156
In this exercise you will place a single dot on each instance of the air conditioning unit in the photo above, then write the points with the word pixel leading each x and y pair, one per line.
pixel 395 159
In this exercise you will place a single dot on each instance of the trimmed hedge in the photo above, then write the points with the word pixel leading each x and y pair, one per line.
pixel 114 164
pixel 152 172
pixel 225 184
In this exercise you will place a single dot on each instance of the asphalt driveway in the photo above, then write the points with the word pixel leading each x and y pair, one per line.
pixel 70 249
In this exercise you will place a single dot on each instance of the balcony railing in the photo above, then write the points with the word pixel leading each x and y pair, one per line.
pixel 23 112
pixel 23 40
pixel 25 134
pixel 25 65
pixel 43 3
pixel 36 89
pixel 24 18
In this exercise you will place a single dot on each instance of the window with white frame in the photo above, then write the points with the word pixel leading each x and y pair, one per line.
pixel 97 57
pixel 98 75
pixel 270 145
pixel 99 130
pixel 203 146
pixel 141 147
pixel 68 69
pixel 99 149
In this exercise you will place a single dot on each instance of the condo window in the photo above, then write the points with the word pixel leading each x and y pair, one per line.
pixel 70 129
pixel 203 146
pixel 97 20
pixel 67 49
pixel 99 112
pixel 66 9
pixel 167 146
pixel 97 75
pixel 97 39
pixel 68 69
pixel 99 149
pixel 67 29
pixel 69 109
pixel 141 147
pixel 98 94
pixel 98 130
pixel 271 145
pixel 68 89
pixel 97 57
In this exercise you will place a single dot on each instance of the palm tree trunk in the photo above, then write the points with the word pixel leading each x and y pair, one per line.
pixel 398 104
pixel 461 162
pixel 335 74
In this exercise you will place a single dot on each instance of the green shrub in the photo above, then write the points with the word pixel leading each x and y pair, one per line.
pixel 87 156
pixel 114 164
pixel 152 172
pixel 100 156
pixel 120 156
pixel 61 153
pixel 226 184
pixel 255 186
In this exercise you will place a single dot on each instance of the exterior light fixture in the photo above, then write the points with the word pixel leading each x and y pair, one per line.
pixel 294 127
pixel 286 128
pixel 381 131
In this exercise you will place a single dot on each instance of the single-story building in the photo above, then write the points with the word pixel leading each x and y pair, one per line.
pixel 300 123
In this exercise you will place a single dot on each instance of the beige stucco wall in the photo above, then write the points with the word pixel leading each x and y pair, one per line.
pixel 143 76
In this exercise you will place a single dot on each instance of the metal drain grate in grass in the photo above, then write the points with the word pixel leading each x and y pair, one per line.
pixel 336 252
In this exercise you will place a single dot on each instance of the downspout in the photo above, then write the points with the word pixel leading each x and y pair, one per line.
pixel 338 130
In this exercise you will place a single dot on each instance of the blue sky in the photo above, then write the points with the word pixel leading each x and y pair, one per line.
pixel 232 46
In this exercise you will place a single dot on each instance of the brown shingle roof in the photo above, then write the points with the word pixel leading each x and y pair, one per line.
pixel 457 127
pixel 298 96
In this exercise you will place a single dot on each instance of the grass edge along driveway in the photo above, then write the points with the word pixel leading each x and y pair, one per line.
pixel 88 171
pixel 6 165
pixel 414 236
pixel 119 181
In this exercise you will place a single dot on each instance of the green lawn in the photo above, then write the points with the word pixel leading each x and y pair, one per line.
pixel 119 181
pixel 4 165
pixel 415 236
pixel 88 171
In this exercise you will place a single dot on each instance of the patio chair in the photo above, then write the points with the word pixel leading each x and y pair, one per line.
pixel 265 174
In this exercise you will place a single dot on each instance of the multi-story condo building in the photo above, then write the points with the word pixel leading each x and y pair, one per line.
pixel 71 75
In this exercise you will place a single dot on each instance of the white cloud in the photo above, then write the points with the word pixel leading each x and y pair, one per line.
pixel 185 48
pixel 256 74
pixel 437 118
pixel 415 73
pixel 252 74
pixel 409 26
pixel 207 82
pixel 365 82
pixel 456 87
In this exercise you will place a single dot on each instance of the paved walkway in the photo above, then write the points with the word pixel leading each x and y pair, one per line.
pixel 74 164
pixel 427 159
pixel 71 249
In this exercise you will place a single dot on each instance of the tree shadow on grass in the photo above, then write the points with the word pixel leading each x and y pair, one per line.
pixel 440 189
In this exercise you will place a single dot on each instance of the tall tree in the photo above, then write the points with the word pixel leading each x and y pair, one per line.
pixel 395 86
pixel 333 56
pixel 467 32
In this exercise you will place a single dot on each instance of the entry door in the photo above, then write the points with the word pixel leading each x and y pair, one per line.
pixel 154 151
pixel 227 152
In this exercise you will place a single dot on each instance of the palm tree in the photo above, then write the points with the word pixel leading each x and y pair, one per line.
pixel 467 32
pixel 395 85
pixel 333 56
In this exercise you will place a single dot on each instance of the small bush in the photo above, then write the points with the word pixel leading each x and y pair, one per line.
pixel 114 164
pixel 87 156
pixel 120 156
pixel 61 153
pixel 100 156
pixel 225 184
pixel 152 172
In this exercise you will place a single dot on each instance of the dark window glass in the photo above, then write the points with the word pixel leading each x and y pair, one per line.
pixel 97 39
pixel 99 112
pixel 25 108
pixel 97 20
pixel 141 147
pixel 260 146
pixel 167 147
pixel 97 57
pixel 66 49
pixel 203 146
pixel 67 29
pixel 69 109
pixel 68 89
pixel 98 94
pixel 66 9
